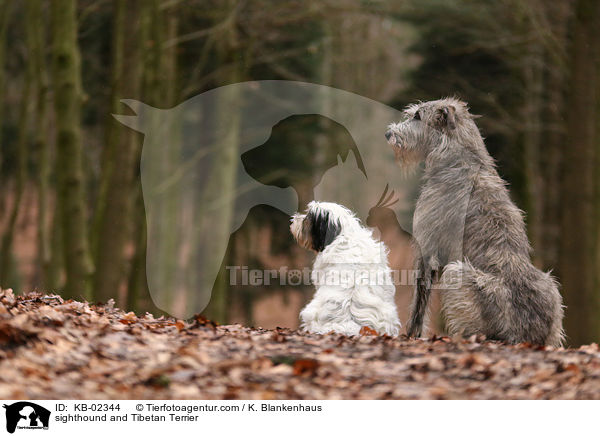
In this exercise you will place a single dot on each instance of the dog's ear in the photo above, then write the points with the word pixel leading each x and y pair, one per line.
pixel 324 229
pixel 448 117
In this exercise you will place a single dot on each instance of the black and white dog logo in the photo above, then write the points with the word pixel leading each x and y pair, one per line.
pixel 26 415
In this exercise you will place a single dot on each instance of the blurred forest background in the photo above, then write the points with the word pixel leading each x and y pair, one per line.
pixel 71 212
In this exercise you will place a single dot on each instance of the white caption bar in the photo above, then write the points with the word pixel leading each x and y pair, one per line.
pixel 155 417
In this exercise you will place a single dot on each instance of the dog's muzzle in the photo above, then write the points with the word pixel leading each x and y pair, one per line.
pixel 296 226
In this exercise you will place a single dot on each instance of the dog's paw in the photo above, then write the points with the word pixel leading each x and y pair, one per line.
pixel 413 332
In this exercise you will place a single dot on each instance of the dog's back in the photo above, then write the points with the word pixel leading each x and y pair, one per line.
pixel 353 281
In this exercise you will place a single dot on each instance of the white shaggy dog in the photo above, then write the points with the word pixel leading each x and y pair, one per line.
pixel 353 281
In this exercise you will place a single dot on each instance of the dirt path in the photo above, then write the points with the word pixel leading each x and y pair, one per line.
pixel 55 349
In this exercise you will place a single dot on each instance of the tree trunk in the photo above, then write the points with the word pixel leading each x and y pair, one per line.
pixel 5 7
pixel 223 177
pixel 578 262
pixel 166 206
pixel 115 200
pixel 67 102
pixel 41 145
pixel 151 29
pixel 22 157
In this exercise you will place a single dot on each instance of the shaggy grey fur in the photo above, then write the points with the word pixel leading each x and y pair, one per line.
pixel 467 229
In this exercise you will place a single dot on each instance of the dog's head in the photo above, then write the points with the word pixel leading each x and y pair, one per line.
pixel 427 126
pixel 321 224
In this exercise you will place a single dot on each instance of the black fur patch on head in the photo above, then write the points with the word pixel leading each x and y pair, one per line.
pixel 323 229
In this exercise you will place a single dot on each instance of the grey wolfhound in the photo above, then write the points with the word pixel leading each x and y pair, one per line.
pixel 467 229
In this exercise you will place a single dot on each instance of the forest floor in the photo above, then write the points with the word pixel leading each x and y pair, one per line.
pixel 55 349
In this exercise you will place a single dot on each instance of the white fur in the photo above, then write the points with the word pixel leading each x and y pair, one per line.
pixel 365 295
